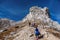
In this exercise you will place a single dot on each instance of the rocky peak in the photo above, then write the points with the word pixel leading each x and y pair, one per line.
pixel 42 14
pixel 4 23
pixel 37 13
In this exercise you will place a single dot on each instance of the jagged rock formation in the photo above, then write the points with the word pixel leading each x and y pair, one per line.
pixel 41 14
pixel 23 31
pixel 5 23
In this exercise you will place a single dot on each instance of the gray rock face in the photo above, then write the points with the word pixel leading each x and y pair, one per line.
pixel 4 23
pixel 42 14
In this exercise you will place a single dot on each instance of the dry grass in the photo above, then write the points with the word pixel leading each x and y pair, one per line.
pixel 54 32
pixel 7 32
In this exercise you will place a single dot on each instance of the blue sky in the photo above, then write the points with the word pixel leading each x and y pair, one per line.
pixel 18 9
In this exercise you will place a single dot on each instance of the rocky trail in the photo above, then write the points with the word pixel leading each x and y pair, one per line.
pixel 28 34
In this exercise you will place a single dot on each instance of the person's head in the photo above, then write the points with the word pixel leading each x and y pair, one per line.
pixel 36 25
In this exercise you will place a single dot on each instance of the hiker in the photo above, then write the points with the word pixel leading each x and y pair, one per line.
pixel 34 25
pixel 37 33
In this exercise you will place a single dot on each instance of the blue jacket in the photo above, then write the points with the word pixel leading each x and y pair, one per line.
pixel 37 32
